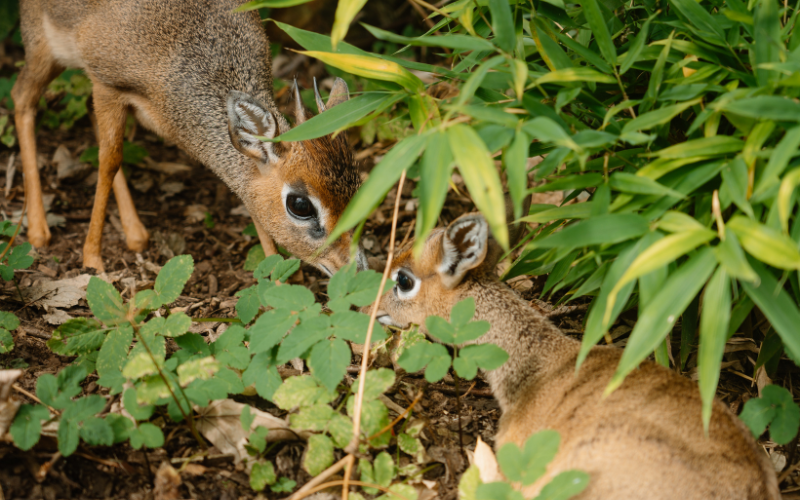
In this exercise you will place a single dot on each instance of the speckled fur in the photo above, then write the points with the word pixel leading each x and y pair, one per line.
pixel 645 440
pixel 174 62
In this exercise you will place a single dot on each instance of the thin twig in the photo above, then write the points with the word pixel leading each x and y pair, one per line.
pixel 33 397
pixel 458 415
pixel 399 417
pixel 333 469
pixel 357 483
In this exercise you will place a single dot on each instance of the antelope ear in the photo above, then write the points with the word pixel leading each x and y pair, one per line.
pixel 248 119
pixel 464 246
pixel 339 93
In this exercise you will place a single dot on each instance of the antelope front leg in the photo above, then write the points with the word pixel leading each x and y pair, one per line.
pixel 136 236
pixel 266 240
pixel 111 114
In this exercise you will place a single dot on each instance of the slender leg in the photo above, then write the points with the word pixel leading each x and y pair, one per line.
pixel 110 113
pixel 266 240
pixel 136 235
pixel 39 70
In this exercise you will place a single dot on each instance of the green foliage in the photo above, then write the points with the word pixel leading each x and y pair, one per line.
pixel 75 87
pixel 776 409
pixel 677 119
pixel 523 467
pixel 460 330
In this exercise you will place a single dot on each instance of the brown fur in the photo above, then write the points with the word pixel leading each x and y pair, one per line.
pixel 645 440
pixel 174 64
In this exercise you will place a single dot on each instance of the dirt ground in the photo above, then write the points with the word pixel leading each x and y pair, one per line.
pixel 173 206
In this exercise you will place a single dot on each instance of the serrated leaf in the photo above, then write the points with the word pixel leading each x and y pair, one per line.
pixel 105 302
pixel 172 278
pixel 291 297
pixel 255 256
pixel 140 365
pixel 18 258
pixel 319 455
pixel 248 304
pixel 114 353
pixel 120 425
pixel 300 391
pixel 229 350
pixel 266 266
pixel 377 382
pixel 77 336
pixel 203 369
pixel 383 469
pixel 285 269
pixel 529 464
pixel 328 362
pixel 565 485
pixel 341 430
pixel 97 432
pixel 262 475
pixel 312 418
pixel 303 337
pixel 352 326
pixel 420 355
pixel 263 373
pixel 6 341
pixel 440 329
pixel 27 426
pixel 486 356
pixel 131 403
pixel 9 320
pixel 176 325
pixel 147 435
pixel 68 437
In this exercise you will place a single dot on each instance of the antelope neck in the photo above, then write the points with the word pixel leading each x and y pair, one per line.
pixel 533 344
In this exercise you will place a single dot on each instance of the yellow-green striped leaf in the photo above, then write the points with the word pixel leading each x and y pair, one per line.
pixel 706 146
pixel 579 74
pixel 600 30
pixel 765 243
pixel 346 11
pixel 678 222
pixel 574 211
pixel 435 170
pixel 658 117
pixel 480 175
pixel 369 67
pixel 731 256
pixel 789 183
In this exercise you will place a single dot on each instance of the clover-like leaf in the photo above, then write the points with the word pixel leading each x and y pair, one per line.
pixel 319 455
pixel 262 475
pixel 172 278
pixel 27 426
pixel 105 302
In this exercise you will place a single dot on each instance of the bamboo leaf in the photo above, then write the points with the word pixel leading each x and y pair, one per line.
pixel 346 11
pixel 569 75
pixel 765 107
pixel 369 67
pixel 765 243
pixel 706 146
pixel 731 256
pixel 714 323
pixel 600 30
pixel 480 175
pixel 515 159
pixel 789 183
pixel 505 35
pixel 660 316
pixel 435 170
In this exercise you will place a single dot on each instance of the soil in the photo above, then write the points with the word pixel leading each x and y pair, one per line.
pixel 174 207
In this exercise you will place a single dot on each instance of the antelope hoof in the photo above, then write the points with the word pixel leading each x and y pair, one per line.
pixel 39 235
pixel 93 261
pixel 137 238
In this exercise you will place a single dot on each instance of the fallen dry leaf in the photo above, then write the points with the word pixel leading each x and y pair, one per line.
pixel 166 483
pixel 59 294
pixel 484 459
pixel 220 423
pixel 195 213
pixel 8 404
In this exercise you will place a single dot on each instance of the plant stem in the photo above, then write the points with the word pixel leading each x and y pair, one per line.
pixel 187 417
pixel 458 413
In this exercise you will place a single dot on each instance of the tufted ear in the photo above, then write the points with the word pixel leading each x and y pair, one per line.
pixel 339 93
pixel 248 119
pixel 464 246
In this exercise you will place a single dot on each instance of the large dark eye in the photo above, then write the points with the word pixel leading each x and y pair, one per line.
pixel 405 283
pixel 300 206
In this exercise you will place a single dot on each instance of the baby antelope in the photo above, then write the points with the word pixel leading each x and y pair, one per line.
pixel 645 440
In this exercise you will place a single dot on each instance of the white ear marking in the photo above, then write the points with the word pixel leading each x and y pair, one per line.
pixel 247 120
pixel 464 246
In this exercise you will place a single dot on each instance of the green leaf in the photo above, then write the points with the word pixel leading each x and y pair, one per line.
pixel 248 304
pixel 380 181
pixel 788 185
pixel 148 435
pixel 268 4
pixel 462 312
pixel 757 413
pixel 440 329
pixel 451 41
pixel 377 382
pixel 700 17
pixel 300 391
pixel 255 256
pixel 565 485
pixel 77 336
pixel 328 362
pixel 434 356
pixel 637 184
pixel 121 426
pixel 284 269
pixel 313 418
pixel 229 350
pixel 636 47
pixel 140 365
pixel 114 352
pixel 346 11
pixel 303 337
pixel 594 17
pixel 319 455
pixel 269 329
pixel 97 432
pixel 19 258
pixel 730 255
pixel 369 66
pixel 486 356
pixel 68 437
pixel 529 464
pixel 598 230
pixel 27 425
pixel 384 470
pixel 713 334
pixel 765 243
pixel 8 320
pixel 766 34
pixel 783 427
pixel 6 341
pixel 480 175
pixel 266 266
pixel 660 315
pixel 172 278
pixel 717 145
pixel 176 325
pixel 291 297
pixel 131 404
pixel 262 475
pixel 497 491
pixel 202 368
pixel 105 302
pixel 436 168
pixel 777 305
pixel 503 25
pixel 765 107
